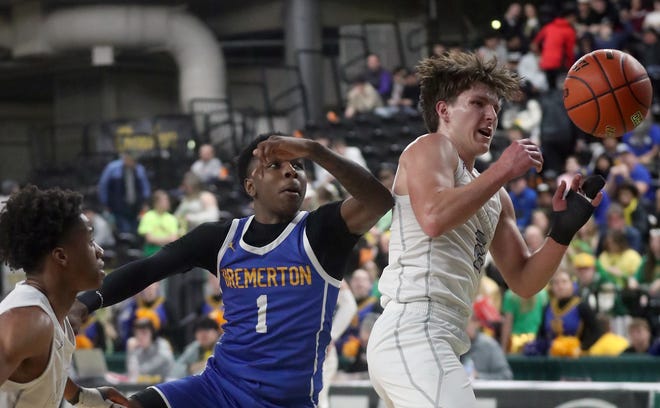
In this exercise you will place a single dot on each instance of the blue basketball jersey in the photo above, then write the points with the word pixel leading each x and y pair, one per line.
pixel 278 305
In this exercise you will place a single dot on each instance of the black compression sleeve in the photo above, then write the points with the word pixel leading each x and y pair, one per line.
pixel 149 398
pixel 330 238
pixel 199 248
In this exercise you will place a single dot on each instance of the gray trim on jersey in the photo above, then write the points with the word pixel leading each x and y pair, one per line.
pixel 272 245
pixel 318 334
pixel 223 248
pixel 20 394
pixel 403 250
pixel 403 358
pixel 315 262
pixel 427 330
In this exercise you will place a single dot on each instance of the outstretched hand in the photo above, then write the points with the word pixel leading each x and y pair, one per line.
pixel 584 189
pixel 572 208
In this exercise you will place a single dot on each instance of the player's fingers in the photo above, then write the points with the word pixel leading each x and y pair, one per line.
pixel 538 165
pixel 559 194
pixel 596 201
pixel 541 160
pixel 526 142
pixel 575 183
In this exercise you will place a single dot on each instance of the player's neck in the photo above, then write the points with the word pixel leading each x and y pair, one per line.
pixel 59 294
pixel 263 217
pixel 463 153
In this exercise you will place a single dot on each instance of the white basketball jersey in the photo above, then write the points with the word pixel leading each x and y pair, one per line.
pixel 47 390
pixel 445 269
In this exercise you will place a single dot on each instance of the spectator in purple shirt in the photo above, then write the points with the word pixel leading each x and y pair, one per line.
pixel 379 77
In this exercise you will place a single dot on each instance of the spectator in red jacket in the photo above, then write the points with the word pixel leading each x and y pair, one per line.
pixel 557 43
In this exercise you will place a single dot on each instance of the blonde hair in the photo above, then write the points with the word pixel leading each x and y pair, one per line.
pixel 444 77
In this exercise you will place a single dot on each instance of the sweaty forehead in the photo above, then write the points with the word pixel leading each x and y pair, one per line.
pixel 483 91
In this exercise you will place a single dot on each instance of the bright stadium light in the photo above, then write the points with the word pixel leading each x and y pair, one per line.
pixel 496 24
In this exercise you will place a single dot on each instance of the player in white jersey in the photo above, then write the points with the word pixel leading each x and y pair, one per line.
pixel 46 234
pixel 446 218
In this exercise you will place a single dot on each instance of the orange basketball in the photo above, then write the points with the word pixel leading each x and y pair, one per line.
pixel 607 93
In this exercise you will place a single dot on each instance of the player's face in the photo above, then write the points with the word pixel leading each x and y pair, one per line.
pixel 84 257
pixel 278 188
pixel 472 119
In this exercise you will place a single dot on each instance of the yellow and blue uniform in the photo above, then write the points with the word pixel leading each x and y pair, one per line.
pixel 279 297
pixel 280 284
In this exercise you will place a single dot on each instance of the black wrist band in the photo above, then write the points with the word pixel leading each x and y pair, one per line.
pixel 92 299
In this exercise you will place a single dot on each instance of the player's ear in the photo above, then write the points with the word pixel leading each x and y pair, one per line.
pixel 441 108
pixel 248 185
pixel 59 256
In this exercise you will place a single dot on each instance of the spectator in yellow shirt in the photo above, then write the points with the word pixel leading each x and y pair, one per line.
pixel 158 226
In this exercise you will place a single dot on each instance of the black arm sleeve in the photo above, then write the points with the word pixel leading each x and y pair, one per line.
pixel 198 248
pixel 330 238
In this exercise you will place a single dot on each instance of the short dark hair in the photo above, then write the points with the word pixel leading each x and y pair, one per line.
pixel 245 157
pixel 629 186
pixel 34 222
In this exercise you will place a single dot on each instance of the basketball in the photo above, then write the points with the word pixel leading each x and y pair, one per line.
pixel 607 93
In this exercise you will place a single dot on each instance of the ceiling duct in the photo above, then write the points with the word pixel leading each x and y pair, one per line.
pixel 202 73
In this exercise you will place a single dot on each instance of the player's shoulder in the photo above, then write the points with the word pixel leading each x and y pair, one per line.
pixel 326 213
pixel 430 150
pixel 31 327
pixel 428 144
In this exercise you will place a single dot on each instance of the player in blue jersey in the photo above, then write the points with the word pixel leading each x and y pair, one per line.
pixel 279 271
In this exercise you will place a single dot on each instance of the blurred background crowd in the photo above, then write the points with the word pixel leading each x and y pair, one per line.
pixel 604 300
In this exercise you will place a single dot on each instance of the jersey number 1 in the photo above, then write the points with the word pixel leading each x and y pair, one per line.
pixel 262 305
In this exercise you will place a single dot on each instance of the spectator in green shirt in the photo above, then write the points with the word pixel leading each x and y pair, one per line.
pixel 158 226
pixel 522 318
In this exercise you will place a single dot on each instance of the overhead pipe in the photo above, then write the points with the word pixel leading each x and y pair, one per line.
pixel 202 72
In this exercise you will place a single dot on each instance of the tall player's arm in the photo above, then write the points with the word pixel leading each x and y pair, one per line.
pixel 426 175
pixel 527 273
pixel 198 248
pixel 27 334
